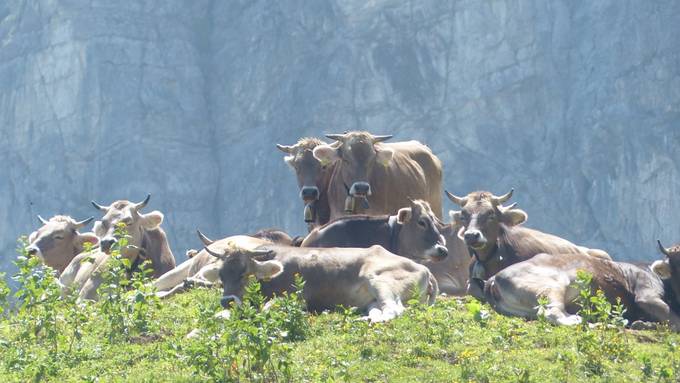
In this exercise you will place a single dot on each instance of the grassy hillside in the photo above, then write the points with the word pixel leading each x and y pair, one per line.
pixel 130 336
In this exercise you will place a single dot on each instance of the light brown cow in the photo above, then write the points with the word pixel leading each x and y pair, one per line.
pixel 373 279
pixel 144 231
pixel 647 293
pixel 58 241
pixel 373 178
pixel 496 240
pixel 202 269
pixel 313 179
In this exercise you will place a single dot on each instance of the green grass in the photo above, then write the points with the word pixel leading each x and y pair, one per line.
pixel 447 342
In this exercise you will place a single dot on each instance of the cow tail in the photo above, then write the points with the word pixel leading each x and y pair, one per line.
pixel 432 289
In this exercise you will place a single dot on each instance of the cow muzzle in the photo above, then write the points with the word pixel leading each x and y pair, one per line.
pixel 309 193
pixel 228 299
pixel 106 243
pixel 34 251
pixel 474 238
pixel 438 252
pixel 360 189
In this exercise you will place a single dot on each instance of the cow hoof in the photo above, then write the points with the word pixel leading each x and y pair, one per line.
pixel 188 283
pixel 570 320
pixel 642 325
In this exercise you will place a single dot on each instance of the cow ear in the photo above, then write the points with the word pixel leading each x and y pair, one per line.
pixel 455 217
pixel 88 237
pixel 326 154
pixel 290 161
pixel 266 270
pixel 662 269
pixel 384 156
pixel 404 215
pixel 512 217
pixel 152 220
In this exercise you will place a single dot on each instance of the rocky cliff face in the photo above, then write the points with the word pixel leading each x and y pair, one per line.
pixel 575 105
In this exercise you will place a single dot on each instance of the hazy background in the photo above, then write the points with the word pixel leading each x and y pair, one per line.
pixel 575 104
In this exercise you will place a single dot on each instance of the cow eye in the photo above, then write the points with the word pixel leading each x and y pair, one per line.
pixel 422 224
pixel 58 237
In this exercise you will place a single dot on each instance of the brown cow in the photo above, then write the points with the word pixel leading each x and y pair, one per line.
pixel 58 241
pixel 496 240
pixel 312 177
pixel 415 233
pixel 373 279
pixel 648 293
pixel 382 177
pixel 144 231
pixel 201 269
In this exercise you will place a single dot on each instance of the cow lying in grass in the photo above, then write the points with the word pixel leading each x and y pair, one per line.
pixel 648 293
pixel 202 269
pixel 371 279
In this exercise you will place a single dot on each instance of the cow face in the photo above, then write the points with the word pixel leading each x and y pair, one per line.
pixel 481 216
pixel 419 237
pixel 128 215
pixel 359 152
pixel 58 241
pixel 309 171
pixel 669 267
pixel 239 263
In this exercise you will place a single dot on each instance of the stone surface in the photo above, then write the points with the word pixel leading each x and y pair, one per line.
pixel 574 104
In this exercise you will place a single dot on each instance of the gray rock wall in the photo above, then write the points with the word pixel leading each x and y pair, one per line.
pixel 574 104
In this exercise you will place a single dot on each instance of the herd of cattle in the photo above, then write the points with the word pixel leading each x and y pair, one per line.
pixel 376 237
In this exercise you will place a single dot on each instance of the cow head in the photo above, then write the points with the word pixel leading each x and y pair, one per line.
pixel 58 240
pixel 240 261
pixel 481 217
pixel 312 175
pixel 128 214
pixel 359 152
pixel 669 267
pixel 419 236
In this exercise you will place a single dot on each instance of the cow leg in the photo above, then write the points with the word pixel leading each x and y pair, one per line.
pixel 387 304
pixel 174 277
pixel 658 310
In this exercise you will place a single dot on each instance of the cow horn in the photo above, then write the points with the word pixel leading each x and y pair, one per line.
pixel 206 241
pixel 84 222
pixel 460 201
pixel 503 198
pixel 42 220
pixel 99 207
pixel 663 250
pixel 377 139
pixel 139 206
pixel 336 137
pixel 285 148
pixel 216 255
pixel 260 252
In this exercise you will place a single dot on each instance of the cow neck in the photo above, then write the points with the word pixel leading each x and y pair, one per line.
pixel 493 252
pixel 395 229
pixel 670 296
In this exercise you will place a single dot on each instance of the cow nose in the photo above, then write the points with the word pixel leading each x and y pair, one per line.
pixel 360 189
pixel 106 243
pixel 442 251
pixel 472 236
pixel 32 250
pixel 226 301
pixel 309 193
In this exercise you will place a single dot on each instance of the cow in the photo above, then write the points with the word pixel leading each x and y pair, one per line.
pixel 380 176
pixel 313 179
pixel 144 231
pixel 201 269
pixel 58 241
pixel 414 232
pixel 647 293
pixel 373 279
pixel 495 238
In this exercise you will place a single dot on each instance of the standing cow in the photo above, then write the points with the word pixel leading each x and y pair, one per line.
pixel 313 179
pixel 144 231
pixel 496 240
pixel 58 241
pixel 647 293
pixel 414 232
pixel 374 178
